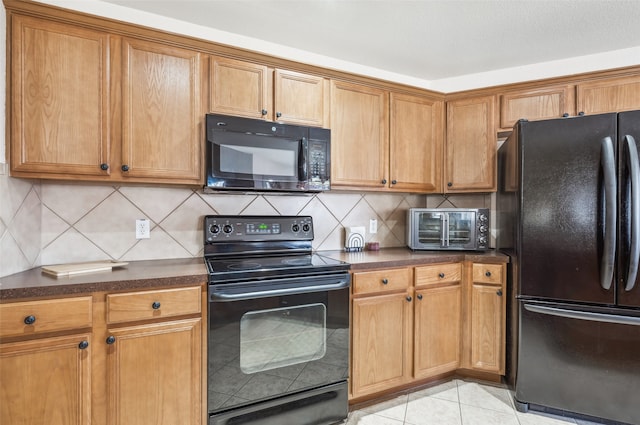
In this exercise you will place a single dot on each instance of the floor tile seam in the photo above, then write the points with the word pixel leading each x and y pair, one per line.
pixel 513 411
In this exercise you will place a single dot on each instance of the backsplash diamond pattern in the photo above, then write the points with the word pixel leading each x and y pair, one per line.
pixel 52 223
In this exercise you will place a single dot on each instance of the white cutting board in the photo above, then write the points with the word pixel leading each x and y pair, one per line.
pixel 81 268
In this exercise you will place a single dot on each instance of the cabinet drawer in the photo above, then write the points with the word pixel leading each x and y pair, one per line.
pixel 488 273
pixel 381 280
pixel 438 273
pixel 33 317
pixel 161 303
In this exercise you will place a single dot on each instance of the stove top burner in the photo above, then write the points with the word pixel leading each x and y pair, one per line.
pixel 243 266
pixel 296 261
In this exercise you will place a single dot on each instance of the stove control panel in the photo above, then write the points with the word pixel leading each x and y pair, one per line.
pixel 222 228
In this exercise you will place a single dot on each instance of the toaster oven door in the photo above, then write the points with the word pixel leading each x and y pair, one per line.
pixel 461 230
pixel 429 229
pixel 444 230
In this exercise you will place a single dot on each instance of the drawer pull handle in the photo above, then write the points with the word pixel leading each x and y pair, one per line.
pixel 30 320
pixel 385 281
pixel 155 305
pixel 499 292
pixel 111 339
pixel 83 345
pixel 441 275
pixel 488 274
pixel 409 298
pixel 419 296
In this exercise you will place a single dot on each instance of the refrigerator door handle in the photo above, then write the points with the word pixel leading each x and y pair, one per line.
pixel 607 160
pixel 584 315
pixel 634 171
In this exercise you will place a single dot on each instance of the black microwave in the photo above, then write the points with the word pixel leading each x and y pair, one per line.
pixel 250 154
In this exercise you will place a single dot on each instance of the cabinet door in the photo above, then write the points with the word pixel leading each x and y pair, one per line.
pixel 154 374
pixel 59 100
pixel 46 381
pixel 552 102
pixel 470 159
pixel 359 136
pixel 610 95
pixel 162 112
pixel 382 348
pixel 415 142
pixel 301 98
pixel 437 330
pixel 240 88
pixel 487 329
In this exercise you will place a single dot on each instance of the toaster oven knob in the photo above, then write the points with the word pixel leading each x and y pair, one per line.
pixel 482 240
pixel 227 228
pixel 482 229
pixel 482 218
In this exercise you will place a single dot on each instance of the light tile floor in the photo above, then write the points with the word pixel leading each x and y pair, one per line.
pixel 457 402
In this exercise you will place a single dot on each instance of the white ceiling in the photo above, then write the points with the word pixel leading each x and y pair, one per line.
pixel 423 39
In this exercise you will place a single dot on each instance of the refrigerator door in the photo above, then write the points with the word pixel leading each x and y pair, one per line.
pixel 567 208
pixel 628 289
pixel 581 361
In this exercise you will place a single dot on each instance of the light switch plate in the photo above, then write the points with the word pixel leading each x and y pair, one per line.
pixel 373 226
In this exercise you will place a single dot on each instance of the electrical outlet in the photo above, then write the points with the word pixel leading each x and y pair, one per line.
pixel 143 229
pixel 373 226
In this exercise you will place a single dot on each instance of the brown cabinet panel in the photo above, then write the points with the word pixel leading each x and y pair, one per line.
pixel 359 136
pixel 487 328
pixel 437 330
pixel 488 273
pixel 382 346
pixel 438 273
pixel 154 374
pixel 46 381
pixel 470 159
pixel 162 112
pixel 539 104
pixel 381 281
pixel 609 95
pixel 415 144
pixel 59 99
pixel 301 99
pixel 157 304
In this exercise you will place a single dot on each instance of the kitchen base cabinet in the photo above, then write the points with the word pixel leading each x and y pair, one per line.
pixel 46 381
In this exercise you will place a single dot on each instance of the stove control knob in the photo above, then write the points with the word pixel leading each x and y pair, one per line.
pixel 306 227
pixel 295 228
pixel 227 228
pixel 214 229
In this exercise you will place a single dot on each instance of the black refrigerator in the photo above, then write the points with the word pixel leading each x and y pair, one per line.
pixel 568 215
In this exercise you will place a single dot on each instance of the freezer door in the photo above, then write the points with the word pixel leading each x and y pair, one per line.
pixel 584 362
pixel 568 208
pixel 628 282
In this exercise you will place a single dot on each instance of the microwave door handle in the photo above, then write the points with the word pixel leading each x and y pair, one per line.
pixel 607 161
pixel 302 160
pixel 634 176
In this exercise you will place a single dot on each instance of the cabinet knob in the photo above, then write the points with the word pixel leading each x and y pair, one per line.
pixel 384 181
pixel 385 281
pixel 449 184
pixel 83 345
pixel 581 113
pixel 155 305
pixel 419 296
pixel 125 168
pixel 264 112
pixel 409 298
pixel 30 320
pixel 104 166
pixel 488 274
pixel 278 114
pixel 394 181
pixel 565 115
pixel 441 275
pixel 111 339
pixel 499 292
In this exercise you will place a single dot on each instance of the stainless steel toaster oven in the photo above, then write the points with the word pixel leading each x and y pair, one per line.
pixel 448 229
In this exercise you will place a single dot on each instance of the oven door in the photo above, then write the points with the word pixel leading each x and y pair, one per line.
pixel 279 349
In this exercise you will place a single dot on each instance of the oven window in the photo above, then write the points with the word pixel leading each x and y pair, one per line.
pixel 279 337
pixel 460 230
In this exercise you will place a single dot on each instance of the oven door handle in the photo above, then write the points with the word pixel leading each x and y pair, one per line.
pixel 268 289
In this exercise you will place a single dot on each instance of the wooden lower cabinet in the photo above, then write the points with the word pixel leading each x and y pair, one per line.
pixel 154 374
pixel 46 381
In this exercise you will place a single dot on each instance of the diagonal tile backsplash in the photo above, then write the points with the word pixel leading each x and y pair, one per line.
pixel 52 223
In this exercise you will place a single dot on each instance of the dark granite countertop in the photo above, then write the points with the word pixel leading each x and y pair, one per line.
pixel 139 275
pixel 399 257
pixel 136 275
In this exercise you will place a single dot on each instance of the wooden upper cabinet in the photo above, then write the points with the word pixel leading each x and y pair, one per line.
pixel 415 143
pixel 162 112
pixel 536 104
pixel 359 136
pixel 470 155
pixel 239 88
pixel 59 99
pixel 256 91
pixel 609 95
